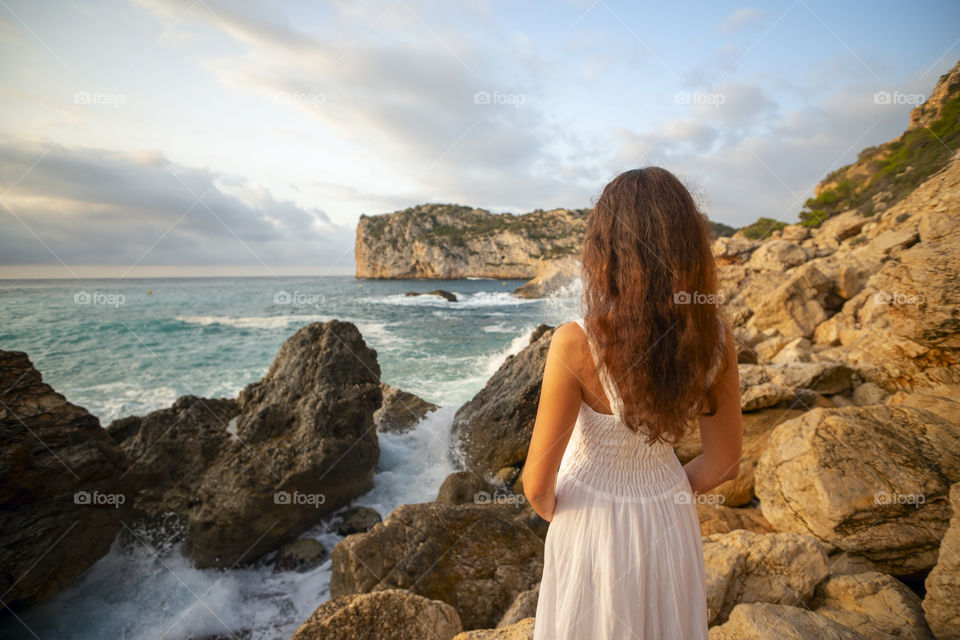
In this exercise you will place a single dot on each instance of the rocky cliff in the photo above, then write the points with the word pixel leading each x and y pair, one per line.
pixel 453 241
pixel 885 174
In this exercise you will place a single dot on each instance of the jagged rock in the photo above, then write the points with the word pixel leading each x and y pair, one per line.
pixel 61 496
pixel 452 241
pixel 552 276
pixel 171 449
pixel 392 614
pixel 462 487
pixel 493 429
pixel 477 558
pixel 525 606
pixel 843 563
pixel 941 400
pixel 796 305
pixel 718 518
pixel 522 630
pixel 307 446
pixel 840 227
pixel 861 478
pixel 763 621
pixel 733 250
pixel 743 566
pixel 400 410
pixel 943 582
pixel 874 604
pixel 869 393
pixel 446 295
pixel 777 255
pixel 300 555
pixel 357 520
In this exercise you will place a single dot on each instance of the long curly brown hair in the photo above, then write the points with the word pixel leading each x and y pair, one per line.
pixel 650 299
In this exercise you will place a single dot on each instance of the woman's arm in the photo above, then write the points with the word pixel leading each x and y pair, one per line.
pixel 560 397
pixel 722 433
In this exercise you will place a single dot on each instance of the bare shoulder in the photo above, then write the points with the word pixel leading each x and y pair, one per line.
pixel 567 336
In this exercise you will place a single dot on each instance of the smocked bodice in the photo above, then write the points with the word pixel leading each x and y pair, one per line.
pixel 609 458
pixel 604 454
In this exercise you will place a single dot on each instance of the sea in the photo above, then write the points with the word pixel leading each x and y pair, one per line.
pixel 122 347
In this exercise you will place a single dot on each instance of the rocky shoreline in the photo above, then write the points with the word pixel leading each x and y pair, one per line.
pixel 844 521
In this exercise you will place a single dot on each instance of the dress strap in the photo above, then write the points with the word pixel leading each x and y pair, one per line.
pixel 606 381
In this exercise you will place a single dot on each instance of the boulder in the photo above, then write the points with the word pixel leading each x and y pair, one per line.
pixel 765 621
pixel 477 558
pixel 400 410
pixel 869 480
pixel 875 604
pixel 744 567
pixel 795 305
pixel 493 429
pixel 943 582
pixel 300 555
pixel 462 487
pixel 525 606
pixel 869 393
pixel 171 449
pixel 446 295
pixel 392 614
pixel 522 630
pixel 306 446
pixel 733 250
pixel 62 500
pixel 357 520
pixel 777 255
pixel 717 518
pixel 943 400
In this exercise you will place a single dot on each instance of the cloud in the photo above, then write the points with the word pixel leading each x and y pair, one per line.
pixel 739 19
pixel 96 206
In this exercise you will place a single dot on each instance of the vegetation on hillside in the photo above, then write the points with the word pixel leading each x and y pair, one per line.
pixel 894 169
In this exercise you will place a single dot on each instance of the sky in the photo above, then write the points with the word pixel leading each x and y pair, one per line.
pixel 214 137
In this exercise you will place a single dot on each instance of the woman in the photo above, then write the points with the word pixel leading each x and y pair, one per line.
pixel 623 554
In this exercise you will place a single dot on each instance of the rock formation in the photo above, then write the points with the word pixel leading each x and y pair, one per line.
pixel 477 558
pixel 62 498
pixel 305 446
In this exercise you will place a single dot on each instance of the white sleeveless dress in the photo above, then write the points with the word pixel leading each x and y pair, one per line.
pixel 623 556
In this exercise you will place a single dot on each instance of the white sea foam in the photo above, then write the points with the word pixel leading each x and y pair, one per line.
pixel 253 322
pixel 464 300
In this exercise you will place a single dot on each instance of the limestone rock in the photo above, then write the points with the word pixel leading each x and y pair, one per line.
pixel 943 583
pixel 718 518
pixel 493 429
pixel 462 487
pixel 477 558
pixel 171 449
pixel 744 567
pixel 522 630
pixel 552 276
pixel 400 410
pixel 392 614
pixel 777 255
pixel 525 606
pixel 357 520
pixel 765 621
pixel 306 446
pixel 300 555
pixel 61 497
pixel 861 479
pixel 875 604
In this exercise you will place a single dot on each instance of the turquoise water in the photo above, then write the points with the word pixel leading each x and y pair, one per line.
pixel 127 347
